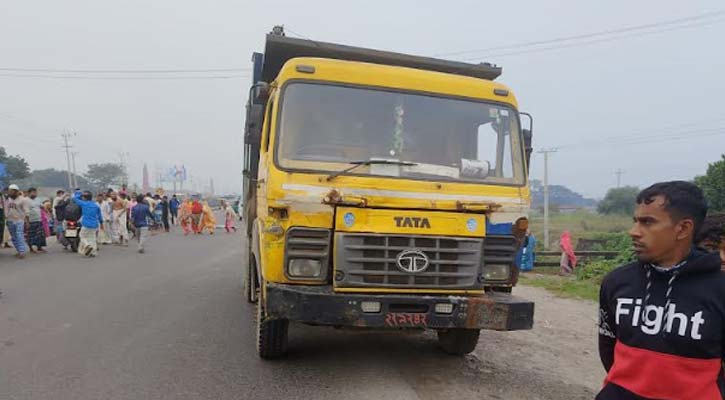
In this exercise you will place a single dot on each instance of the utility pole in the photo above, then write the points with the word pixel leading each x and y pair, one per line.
pixel 73 155
pixel 546 152
pixel 123 157
pixel 619 172
pixel 65 135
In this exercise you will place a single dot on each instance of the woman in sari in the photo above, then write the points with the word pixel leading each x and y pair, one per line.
pixel 208 221
pixel 185 217
pixel 229 217
pixel 568 258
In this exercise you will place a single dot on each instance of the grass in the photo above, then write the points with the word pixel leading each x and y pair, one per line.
pixel 581 224
pixel 563 286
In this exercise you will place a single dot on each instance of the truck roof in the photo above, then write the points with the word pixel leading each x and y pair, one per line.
pixel 279 49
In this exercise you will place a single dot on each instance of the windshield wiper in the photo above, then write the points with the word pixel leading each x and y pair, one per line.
pixel 359 163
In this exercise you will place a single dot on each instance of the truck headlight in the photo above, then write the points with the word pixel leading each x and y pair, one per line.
pixel 304 268
pixel 496 272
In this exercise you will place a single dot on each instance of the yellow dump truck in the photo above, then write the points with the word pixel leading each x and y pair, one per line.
pixel 382 190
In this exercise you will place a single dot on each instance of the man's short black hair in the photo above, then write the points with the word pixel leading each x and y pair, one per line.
pixel 682 200
pixel 139 198
pixel 712 231
pixel 32 189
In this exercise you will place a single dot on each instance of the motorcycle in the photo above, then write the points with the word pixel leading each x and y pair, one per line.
pixel 72 234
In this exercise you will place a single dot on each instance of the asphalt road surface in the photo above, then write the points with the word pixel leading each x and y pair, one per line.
pixel 172 324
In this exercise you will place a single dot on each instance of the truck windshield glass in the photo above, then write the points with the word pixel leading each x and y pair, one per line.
pixel 324 127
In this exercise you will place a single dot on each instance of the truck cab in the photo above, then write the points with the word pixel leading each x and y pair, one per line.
pixel 382 190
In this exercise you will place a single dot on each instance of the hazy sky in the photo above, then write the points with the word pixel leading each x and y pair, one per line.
pixel 626 103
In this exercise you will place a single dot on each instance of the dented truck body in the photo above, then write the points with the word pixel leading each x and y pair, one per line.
pixel 382 191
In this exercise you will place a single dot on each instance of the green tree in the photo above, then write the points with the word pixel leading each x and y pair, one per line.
pixel 15 167
pixel 104 175
pixel 619 201
pixel 713 184
pixel 51 178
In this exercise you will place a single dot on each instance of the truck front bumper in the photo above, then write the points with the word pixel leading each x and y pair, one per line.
pixel 320 305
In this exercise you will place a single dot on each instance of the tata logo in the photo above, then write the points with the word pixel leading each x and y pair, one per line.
pixel 412 261
pixel 412 222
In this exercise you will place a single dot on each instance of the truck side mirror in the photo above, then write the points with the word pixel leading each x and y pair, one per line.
pixel 528 136
pixel 253 124
pixel 260 92
pixel 528 139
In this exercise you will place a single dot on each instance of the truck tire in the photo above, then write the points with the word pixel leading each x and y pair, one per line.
pixel 250 282
pixel 458 341
pixel 271 336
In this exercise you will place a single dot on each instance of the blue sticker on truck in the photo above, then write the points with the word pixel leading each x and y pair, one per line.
pixel 349 219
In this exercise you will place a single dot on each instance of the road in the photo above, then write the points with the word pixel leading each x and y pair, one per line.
pixel 171 324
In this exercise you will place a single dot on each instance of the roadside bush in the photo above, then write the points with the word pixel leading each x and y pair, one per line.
pixel 596 270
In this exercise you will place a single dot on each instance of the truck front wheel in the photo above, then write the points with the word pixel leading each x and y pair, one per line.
pixel 458 341
pixel 271 335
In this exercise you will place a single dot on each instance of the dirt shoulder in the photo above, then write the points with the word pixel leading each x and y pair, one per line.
pixel 558 359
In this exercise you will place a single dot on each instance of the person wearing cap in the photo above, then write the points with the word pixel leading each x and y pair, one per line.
pixel 17 208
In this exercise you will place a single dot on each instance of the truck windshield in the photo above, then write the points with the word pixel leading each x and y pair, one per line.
pixel 324 127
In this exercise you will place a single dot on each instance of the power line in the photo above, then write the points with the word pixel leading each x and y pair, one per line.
pixel 601 40
pixel 590 34
pixel 109 78
pixel 122 71
pixel 655 133
pixel 642 139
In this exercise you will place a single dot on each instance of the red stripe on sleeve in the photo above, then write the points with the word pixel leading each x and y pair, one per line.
pixel 656 375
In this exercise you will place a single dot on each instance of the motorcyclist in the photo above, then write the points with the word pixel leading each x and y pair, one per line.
pixel 71 212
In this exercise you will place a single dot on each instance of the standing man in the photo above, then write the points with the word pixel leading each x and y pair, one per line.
pixel 165 212
pixel 91 221
pixel 104 234
pixel 174 208
pixel 36 233
pixel 662 317
pixel 140 215
pixel 59 203
pixel 17 207
pixel 119 207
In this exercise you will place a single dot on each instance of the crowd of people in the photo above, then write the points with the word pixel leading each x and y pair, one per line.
pixel 107 218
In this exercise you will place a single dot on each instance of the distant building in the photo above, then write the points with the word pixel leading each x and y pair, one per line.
pixel 145 186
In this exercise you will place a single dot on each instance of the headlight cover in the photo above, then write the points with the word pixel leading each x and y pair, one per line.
pixel 496 272
pixel 307 254
pixel 303 268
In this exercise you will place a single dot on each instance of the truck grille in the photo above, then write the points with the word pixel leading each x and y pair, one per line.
pixel 369 260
